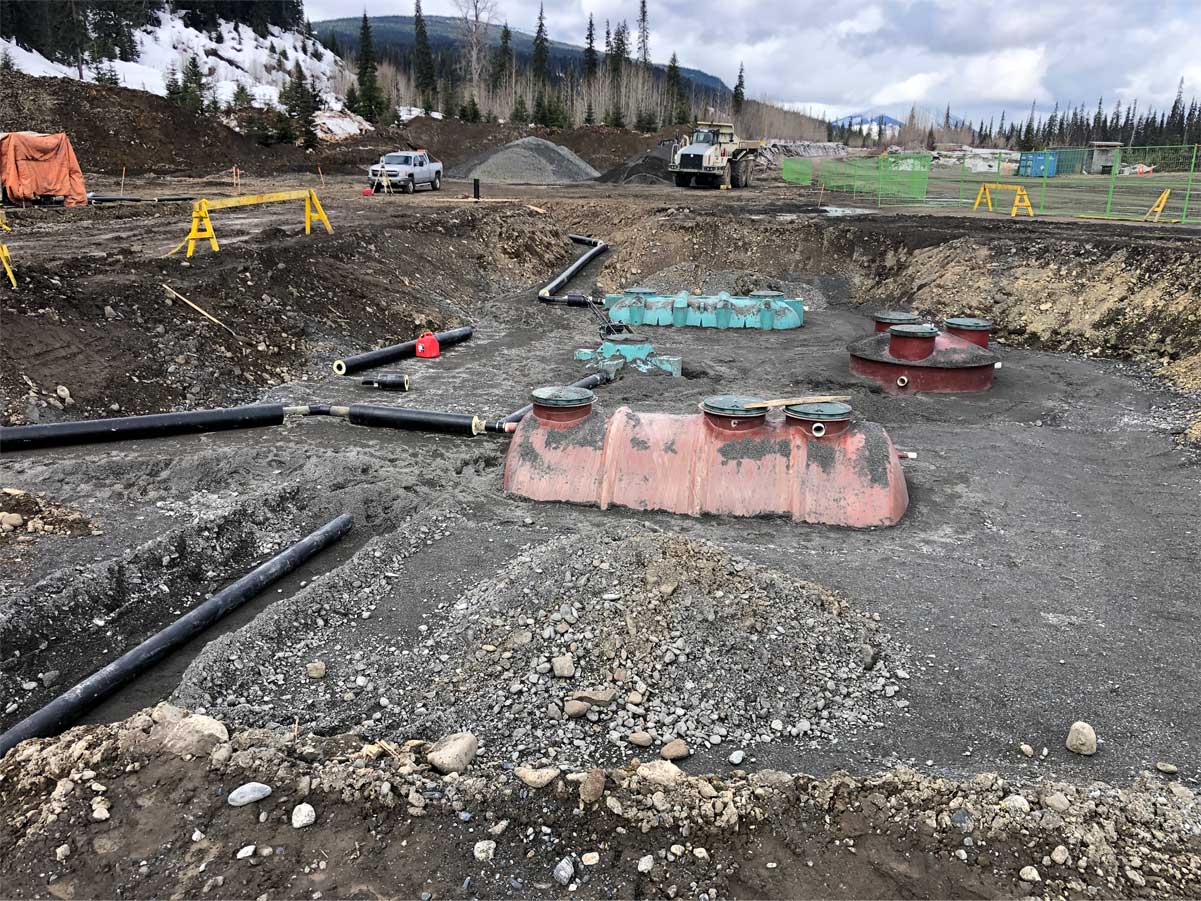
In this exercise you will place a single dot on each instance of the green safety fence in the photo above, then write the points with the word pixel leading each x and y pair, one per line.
pixel 893 178
pixel 797 171
pixel 1100 181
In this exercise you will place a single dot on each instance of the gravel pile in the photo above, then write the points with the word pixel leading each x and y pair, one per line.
pixel 648 168
pixel 528 161
pixel 636 639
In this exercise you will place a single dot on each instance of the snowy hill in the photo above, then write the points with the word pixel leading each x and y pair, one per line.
pixel 241 57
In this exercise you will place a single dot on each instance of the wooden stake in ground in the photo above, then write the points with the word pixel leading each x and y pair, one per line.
pixel 789 401
pixel 203 313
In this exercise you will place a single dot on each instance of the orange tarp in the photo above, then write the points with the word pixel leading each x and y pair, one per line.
pixel 33 165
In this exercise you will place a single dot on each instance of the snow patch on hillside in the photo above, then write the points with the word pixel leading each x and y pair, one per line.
pixel 240 58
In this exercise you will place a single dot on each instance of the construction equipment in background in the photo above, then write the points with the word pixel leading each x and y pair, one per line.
pixel 40 167
pixel 714 157
pixel 202 225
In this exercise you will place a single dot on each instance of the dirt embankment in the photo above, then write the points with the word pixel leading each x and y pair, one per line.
pixel 1106 290
pixel 142 808
pixel 100 324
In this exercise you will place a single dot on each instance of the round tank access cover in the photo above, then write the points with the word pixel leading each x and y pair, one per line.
pixel 733 405
pixel 914 331
pixel 638 290
pixel 562 396
pixel 828 411
pixel 971 323
pixel 767 294
pixel 897 317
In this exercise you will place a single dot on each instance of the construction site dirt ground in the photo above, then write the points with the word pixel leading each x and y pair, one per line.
pixel 1046 570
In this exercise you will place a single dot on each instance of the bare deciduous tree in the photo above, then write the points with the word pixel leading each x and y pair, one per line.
pixel 477 16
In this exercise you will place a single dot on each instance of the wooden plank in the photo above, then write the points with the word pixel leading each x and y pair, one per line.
pixel 789 401
pixel 225 203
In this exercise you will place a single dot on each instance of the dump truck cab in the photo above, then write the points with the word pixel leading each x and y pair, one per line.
pixel 713 156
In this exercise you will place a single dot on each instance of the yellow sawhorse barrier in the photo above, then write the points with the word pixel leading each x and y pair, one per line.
pixel 1021 200
pixel 4 225
pixel 1157 208
pixel 202 225
pixel 6 260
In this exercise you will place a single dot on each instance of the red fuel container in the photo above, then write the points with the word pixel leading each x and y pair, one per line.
pixel 427 346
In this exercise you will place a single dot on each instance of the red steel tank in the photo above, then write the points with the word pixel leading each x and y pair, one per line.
pixel 915 358
pixel 969 328
pixel 815 465
pixel 886 319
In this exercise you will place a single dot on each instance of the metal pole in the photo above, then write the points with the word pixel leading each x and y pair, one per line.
pixel 880 182
pixel 1042 200
pixel 962 172
pixel 1113 174
pixel 1192 167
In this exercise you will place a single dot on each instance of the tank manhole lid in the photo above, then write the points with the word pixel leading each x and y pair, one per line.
pixel 897 317
pixel 970 322
pixel 921 330
pixel 826 410
pixel 767 294
pixel 637 289
pixel 562 396
pixel 733 405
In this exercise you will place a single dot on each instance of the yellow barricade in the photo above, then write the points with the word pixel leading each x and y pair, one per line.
pixel 1021 200
pixel 202 224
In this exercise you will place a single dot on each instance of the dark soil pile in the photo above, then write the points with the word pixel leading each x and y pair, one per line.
pixel 102 326
pixel 112 127
pixel 648 168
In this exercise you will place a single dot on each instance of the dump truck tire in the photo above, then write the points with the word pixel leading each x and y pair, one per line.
pixel 682 180
pixel 746 175
pixel 737 174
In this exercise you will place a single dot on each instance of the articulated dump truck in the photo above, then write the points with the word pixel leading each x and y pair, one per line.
pixel 714 158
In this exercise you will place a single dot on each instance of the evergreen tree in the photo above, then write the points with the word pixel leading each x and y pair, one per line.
pixel 590 56
pixel 540 62
pixel 106 74
pixel 644 36
pixel 473 111
pixel 589 115
pixel 1027 139
pixel 740 90
pixel 190 91
pixel 371 99
pixel 300 103
pixel 241 98
pixel 352 99
pixel 1175 121
pixel 521 113
pixel 502 60
pixel 424 74
pixel 930 138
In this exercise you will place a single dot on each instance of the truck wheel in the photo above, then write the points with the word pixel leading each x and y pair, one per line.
pixel 682 180
pixel 746 173
pixel 727 176
pixel 409 187
pixel 736 174
pixel 436 184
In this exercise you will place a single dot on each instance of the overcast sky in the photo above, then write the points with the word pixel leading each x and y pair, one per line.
pixel 843 57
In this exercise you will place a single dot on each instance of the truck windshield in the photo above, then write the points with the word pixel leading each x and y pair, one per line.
pixel 398 159
pixel 704 137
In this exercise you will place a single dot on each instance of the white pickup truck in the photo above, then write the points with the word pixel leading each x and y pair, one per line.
pixel 405 170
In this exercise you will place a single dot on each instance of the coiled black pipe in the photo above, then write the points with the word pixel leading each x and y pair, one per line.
pixel 590 381
pixel 397 351
pixel 127 428
pixel 597 247
pixel 418 420
pixel 68 707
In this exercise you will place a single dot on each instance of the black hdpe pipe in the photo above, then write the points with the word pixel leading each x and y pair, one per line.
pixel 418 420
pixel 597 247
pixel 397 351
pixel 68 707
pixel 128 428
pixel 591 381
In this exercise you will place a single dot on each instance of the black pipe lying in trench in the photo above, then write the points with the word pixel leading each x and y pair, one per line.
pixel 398 351
pixel 589 381
pixel 126 428
pixel 68 707
pixel 597 247
pixel 418 420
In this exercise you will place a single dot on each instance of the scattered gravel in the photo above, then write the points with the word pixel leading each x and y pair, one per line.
pixel 602 644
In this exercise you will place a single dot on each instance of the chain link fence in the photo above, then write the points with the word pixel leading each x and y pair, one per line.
pixel 1107 181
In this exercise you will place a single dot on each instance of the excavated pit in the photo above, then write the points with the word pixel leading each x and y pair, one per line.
pixel 1032 582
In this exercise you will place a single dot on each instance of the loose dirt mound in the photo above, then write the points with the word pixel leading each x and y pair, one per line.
pixel 532 161
pixel 142 809
pixel 648 168
pixel 113 127
pixel 101 326
pixel 582 645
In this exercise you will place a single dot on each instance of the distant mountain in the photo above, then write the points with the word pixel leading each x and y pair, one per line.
pixel 444 32
pixel 859 120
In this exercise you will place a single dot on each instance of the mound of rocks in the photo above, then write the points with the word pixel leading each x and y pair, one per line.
pixel 637 639
pixel 530 161
pixel 648 168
